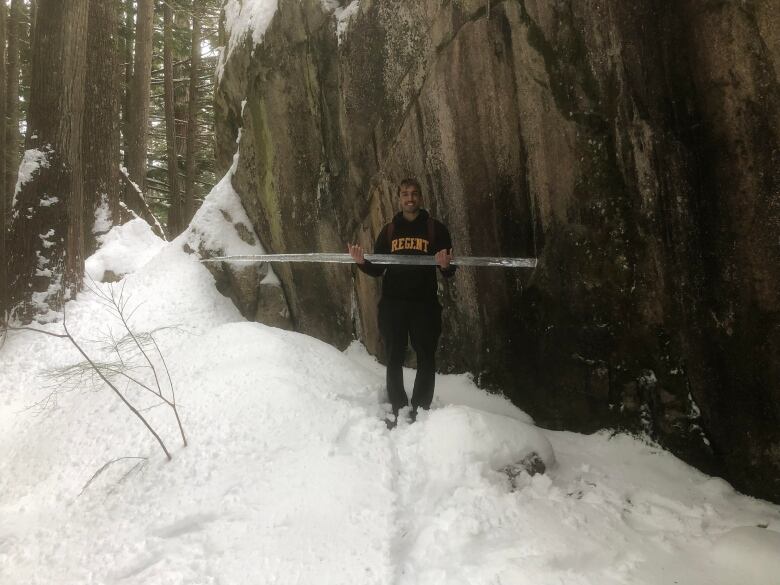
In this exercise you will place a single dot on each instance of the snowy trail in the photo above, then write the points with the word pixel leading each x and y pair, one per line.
pixel 450 491
pixel 312 460
pixel 612 510
pixel 292 478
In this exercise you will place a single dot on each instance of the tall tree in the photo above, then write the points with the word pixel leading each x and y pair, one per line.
pixel 13 27
pixel 128 37
pixel 174 210
pixel 33 17
pixel 101 150
pixel 192 117
pixel 180 90
pixel 3 189
pixel 25 69
pixel 161 198
pixel 46 244
pixel 138 113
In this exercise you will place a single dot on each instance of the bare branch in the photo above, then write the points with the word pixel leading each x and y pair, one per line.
pixel 106 466
pixel 173 392
pixel 116 390
pixel 77 375
pixel 10 328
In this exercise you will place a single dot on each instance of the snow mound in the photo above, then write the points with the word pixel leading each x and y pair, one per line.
pixel 750 552
pixel 291 475
pixel 457 437
pixel 290 469
pixel 124 249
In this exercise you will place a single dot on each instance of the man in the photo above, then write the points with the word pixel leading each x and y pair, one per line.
pixel 409 308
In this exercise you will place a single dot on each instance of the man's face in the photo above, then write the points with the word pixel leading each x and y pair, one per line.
pixel 410 199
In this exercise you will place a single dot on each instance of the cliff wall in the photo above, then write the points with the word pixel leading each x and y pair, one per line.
pixel 632 146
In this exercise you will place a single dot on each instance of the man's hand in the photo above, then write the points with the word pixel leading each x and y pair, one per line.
pixel 356 252
pixel 443 258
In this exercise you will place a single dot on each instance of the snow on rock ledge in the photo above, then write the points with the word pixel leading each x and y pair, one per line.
pixel 251 18
pixel 247 17
pixel 221 228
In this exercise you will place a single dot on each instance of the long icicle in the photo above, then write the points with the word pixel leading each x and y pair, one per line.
pixel 411 260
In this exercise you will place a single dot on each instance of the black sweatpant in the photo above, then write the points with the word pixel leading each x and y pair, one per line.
pixel 420 321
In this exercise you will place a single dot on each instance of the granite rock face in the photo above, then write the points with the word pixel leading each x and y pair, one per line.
pixel 632 146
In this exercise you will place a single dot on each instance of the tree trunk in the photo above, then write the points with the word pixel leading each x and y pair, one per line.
pixel 13 27
pixel 174 211
pixel 101 150
pixel 129 36
pixel 192 118
pixel 25 70
pixel 3 158
pixel 180 89
pixel 138 118
pixel 46 244
pixel 33 17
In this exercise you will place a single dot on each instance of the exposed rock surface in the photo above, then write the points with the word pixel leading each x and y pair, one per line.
pixel 633 146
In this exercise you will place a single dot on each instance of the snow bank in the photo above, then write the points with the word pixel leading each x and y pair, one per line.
pixel 123 249
pixel 291 476
pixel 290 469
pixel 750 553
pixel 458 437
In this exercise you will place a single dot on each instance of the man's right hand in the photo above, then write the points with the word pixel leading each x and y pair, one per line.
pixel 357 253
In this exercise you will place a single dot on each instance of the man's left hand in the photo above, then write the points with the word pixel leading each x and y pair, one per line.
pixel 443 258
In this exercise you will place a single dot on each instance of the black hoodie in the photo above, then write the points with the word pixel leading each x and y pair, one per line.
pixel 410 237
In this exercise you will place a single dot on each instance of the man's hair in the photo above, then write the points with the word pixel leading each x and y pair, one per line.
pixel 409 182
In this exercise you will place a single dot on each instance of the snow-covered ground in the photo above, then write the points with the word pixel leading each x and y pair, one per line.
pixel 291 477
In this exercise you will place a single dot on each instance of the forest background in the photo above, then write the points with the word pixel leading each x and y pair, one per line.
pixel 108 111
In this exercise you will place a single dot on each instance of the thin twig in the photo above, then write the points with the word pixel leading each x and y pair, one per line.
pixel 116 391
pixel 129 471
pixel 173 392
pixel 10 328
pixel 130 316
pixel 119 305
pixel 103 468
pixel 140 347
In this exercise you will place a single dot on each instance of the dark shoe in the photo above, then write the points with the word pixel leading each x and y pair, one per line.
pixel 391 421
pixel 413 415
